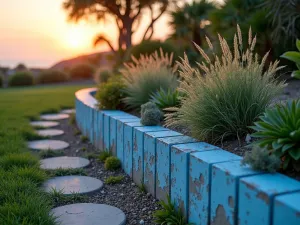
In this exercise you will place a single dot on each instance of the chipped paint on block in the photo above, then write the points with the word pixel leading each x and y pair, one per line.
pixel 114 130
pixel 138 151
pixel 224 201
pixel 163 164
pixel 256 195
pixel 180 156
pixel 287 209
pixel 128 146
pixel 200 181
pixel 150 157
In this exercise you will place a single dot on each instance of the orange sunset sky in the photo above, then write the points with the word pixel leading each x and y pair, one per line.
pixel 37 33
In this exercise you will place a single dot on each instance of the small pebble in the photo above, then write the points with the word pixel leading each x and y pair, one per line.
pixel 142 222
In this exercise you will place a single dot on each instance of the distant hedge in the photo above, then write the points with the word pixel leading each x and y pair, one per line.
pixel 102 76
pixel 1 80
pixel 148 47
pixel 52 76
pixel 22 78
pixel 82 71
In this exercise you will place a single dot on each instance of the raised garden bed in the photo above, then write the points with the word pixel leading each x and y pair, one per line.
pixel 207 183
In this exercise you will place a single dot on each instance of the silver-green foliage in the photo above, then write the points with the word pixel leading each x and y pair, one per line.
pixel 150 114
pixel 165 99
pixel 227 93
pixel 279 131
pixel 261 159
pixel 294 57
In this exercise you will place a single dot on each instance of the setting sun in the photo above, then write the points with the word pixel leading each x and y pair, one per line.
pixel 76 38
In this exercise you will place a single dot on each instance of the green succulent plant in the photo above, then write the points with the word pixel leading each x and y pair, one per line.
pixel 294 57
pixel 165 99
pixel 279 131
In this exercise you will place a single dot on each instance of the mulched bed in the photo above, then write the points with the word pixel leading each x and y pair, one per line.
pixel 137 206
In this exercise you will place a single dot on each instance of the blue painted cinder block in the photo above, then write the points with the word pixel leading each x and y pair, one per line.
pixel 224 201
pixel 90 123
pixel 138 151
pixel 128 146
pixel 120 137
pixel 113 130
pixel 180 158
pixel 287 209
pixel 163 163
pixel 200 182
pixel 256 195
pixel 150 157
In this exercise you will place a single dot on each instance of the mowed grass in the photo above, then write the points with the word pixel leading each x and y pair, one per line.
pixel 22 201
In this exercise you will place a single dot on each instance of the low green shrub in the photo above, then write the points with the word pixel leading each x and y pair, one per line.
pixel 84 139
pixel 104 155
pixel 82 71
pixel 169 215
pixel 279 131
pixel 146 76
pixel 33 174
pixel 102 76
pixel 23 78
pixel 110 94
pixel 166 99
pixel 294 57
pixel 52 76
pixel 262 159
pixel 1 80
pixel 227 94
pixel 150 114
pixel 112 163
pixel 114 179
pixel 149 47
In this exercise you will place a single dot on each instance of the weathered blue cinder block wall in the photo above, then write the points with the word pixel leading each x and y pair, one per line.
pixel 206 183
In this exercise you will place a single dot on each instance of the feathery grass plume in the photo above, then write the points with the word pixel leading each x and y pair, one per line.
pixel 226 93
pixel 146 75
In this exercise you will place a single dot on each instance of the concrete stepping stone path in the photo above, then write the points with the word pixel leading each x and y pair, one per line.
pixel 64 162
pixel 68 111
pixel 59 116
pixel 50 132
pixel 44 145
pixel 89 214
pixel 44 124
pixel 73 184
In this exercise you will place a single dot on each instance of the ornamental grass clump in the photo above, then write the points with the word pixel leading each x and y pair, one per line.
pixel 147 75
pixel 226 93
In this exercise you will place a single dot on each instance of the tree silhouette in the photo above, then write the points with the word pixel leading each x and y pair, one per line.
pixel 126 13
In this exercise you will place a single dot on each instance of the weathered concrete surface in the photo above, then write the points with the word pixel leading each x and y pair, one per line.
pixel 138 151
pixel 256 195
pixel 73 184
pixel 150 157
pixel 49 132
pixel 44 145
pixel 58 116
pixel 180 158
pixel 163 163
pixel 287 209
pixel 89 214
pixel 64 162
pixel 44 124
pixel 68 111
pixel 200 166
pixel 224 200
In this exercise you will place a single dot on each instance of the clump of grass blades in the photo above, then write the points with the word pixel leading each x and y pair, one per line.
pixel 114 179
pixel 72 119
pixel 226 94
pixel 50 154
pixel 84 139
pixel 49 111
pixel 146 75
pixel 30 135
pixel 18 160
pixel 33 174
pixel 59 198
pixel 169 215
pixel 66 172
pixel 104 155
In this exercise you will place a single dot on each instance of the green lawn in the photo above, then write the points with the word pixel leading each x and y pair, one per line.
pixel 21 200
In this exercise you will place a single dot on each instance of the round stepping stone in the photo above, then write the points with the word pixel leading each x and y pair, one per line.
pixel 64 162
pixel 49 132
pixel 88 214
pixel 73 184
pixel 44 124
pixel 68 111
pixel 58 116
pixel 44 145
